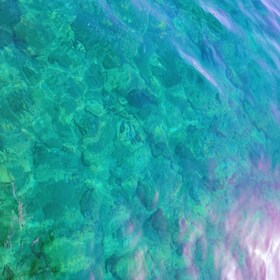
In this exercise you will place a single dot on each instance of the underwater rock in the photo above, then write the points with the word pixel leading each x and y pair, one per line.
pixel 122 269
pixel 187 159
pixel 159 148
pixel 62 60
pixel 93 156
pixel 9 17
pixel 276 158
pixel 99 140
pixel 194 194
pixel 8 273
pixel 52 210
pixel 128 132
pixel 6 37
pixel 110 264
pixel 94 77
pixel 166 77
pixel 33 37
pixel 192 186
pixel 147 194
pixel 82 274
pixel 87 29
pixel 111 60
pixel 95 108
pixel 43 154
pixel 55 268
pixel 118 266
pixel 75 90
pixel 158 141
pixel 37 247
pixel 180 250
pixel 139 99
pixel 20 101
pixel 42 124
pixel 38 267
pixel 87 158
pixel 118 80
pixel 169 73
pixel 88 124
pixel 20 175
pixel 89 206
pixel 145 51
pixel 63 129
pixel 158 221
pixel 9 13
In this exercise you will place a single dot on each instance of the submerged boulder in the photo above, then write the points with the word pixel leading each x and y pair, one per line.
pixel 159 221
pixel 147 193
pixel 140 99
pixel 9 17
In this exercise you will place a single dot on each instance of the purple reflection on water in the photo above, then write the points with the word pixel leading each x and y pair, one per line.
pixel 220 15
pixel 275 112
pixel 191 60
pixel 154 10
pixel 108 11
pixel 272 6
pixel 254 224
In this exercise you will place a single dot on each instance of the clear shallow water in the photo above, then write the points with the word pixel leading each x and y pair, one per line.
pixel 139 139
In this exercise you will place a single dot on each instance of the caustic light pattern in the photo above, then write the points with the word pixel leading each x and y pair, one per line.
pixel 140 139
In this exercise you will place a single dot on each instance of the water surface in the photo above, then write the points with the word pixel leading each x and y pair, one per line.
pixel 139 139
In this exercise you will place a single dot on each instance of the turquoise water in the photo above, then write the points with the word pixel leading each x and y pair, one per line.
pixel 139 139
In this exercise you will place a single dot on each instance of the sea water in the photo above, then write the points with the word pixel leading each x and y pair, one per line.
pixel 139 139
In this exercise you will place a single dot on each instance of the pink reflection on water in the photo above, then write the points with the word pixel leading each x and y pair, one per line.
pixel 272 6
pixel 189 261
pixel 115 19
pixel 129 228
pixel 220 15
pixel 271 47
pixel 134 236
pixel 109 12
pixel 182 229
pixel 255 224
pixel 275 112
pixel 156 198
pixel 197 234
pixel 263 164
pixel 141 271
pixel 91 276
pixel 191 60
pixel 154 10
pixel 223 258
